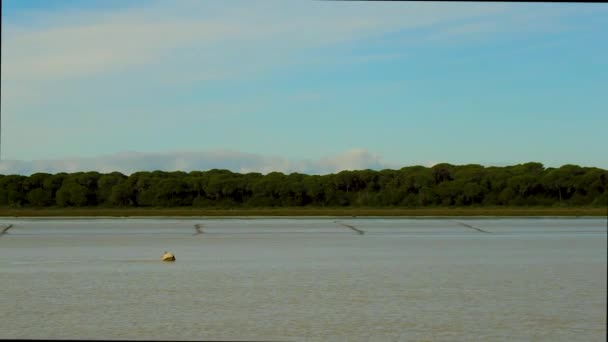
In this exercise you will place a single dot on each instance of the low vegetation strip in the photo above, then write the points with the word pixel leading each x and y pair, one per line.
pixel 306 212
pixel 443 185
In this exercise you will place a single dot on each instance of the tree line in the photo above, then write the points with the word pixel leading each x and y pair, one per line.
pixel 443 185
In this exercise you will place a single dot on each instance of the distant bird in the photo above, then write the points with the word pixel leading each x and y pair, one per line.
pixel 168 256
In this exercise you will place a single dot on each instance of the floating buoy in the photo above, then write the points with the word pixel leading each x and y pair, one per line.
pixel 168 257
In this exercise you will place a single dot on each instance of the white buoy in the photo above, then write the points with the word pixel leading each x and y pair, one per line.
pixel 168 256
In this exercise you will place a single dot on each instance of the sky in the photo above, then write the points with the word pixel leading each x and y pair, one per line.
pixel 300 86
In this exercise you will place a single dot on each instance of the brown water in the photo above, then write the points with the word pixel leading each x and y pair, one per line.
pixel 457 279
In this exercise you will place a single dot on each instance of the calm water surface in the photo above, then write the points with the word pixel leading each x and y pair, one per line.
pixel 456 279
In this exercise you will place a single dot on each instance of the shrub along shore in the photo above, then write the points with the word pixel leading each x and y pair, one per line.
pixel 441 190
pixel 302 212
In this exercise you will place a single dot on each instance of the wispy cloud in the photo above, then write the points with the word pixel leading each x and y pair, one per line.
pixel 69 65
pixel 181 42
pixel 129 162
pixel 70 46
pixel 119 78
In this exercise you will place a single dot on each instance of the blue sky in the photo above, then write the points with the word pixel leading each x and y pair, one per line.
pixel 301 86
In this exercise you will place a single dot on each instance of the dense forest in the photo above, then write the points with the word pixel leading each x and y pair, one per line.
pixel 442 185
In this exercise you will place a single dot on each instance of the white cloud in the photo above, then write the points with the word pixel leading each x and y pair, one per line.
pixel 129 162
pixel 68 65
pixel 88 43
pixel 181 42
pixel 65 64
pixel 80 50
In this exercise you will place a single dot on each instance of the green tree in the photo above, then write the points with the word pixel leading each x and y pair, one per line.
pixel 122 195
pixel 39 198
pixel 71 194
pixel 105 184
pixel 12 192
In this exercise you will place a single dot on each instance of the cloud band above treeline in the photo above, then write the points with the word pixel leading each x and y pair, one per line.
pixel 129 162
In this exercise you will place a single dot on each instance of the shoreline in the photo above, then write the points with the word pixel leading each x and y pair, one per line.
pixel 299 212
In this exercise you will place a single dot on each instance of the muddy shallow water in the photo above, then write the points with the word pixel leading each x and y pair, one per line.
pixel 318 279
